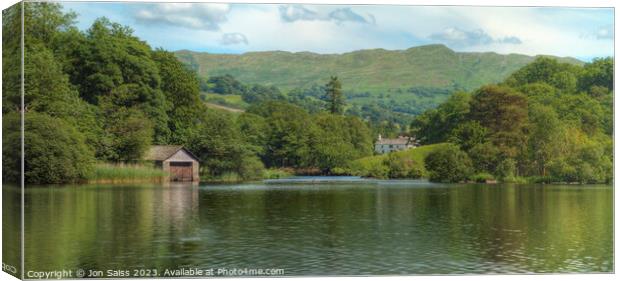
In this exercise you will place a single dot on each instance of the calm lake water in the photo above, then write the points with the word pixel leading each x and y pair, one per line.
pixel 388 227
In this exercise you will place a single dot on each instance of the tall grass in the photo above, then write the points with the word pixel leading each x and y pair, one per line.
pixel 117 173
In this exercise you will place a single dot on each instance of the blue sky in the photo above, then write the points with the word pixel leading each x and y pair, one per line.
pixel 583 33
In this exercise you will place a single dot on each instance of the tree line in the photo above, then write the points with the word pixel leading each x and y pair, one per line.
pixel 104 95
pixel 549 121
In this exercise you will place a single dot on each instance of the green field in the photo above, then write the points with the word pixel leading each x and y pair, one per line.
pixel 233 101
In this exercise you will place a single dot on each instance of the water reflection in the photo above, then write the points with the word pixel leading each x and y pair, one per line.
pixel 323 229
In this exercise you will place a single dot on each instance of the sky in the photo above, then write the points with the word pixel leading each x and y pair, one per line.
pixel 583 33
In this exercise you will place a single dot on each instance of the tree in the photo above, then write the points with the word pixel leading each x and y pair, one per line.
pixel 448 164
pixel 180 86
pixel 504 112
pixel 288 140
pixel 485 157
pixel 254 131
pixel 334 96
pixel 436 125
pixel 548 70
pixel 599 72
pixel 468 135
pixel 226 85
pixel 55 152
pixel 221 150
pixel 545 132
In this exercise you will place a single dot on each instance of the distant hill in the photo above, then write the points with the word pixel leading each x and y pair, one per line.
pixel 374 70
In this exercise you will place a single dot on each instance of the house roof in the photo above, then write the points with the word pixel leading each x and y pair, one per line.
pixel 163 152
pixel 398 141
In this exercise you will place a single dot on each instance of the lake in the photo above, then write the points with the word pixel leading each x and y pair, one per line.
pixel 347 228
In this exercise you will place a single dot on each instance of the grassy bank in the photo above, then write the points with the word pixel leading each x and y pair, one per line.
pixel 126 173
pixel 377 166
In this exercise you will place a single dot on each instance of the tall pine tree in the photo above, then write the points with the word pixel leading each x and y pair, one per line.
pixel 335 98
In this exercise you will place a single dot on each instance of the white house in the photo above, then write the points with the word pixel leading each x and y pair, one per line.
pixel 388 145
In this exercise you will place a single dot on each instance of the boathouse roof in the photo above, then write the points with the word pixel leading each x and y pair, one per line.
pixel 163 152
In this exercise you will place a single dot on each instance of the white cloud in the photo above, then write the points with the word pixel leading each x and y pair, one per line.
pixel 297 12
pixel 234 38
pixel 457 37
pixel 577 32
pixel 189 15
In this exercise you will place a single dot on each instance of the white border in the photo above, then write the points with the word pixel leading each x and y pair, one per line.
pixel 509 3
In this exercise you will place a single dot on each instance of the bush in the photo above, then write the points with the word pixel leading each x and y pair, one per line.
pixel 514 179
pixel 277 173
pixel 506 168
pixel 251 168
pixel 448 164
pixel 481 177
pixel 55 151
pixel 378 171
pixel 340 172
pixel 400 166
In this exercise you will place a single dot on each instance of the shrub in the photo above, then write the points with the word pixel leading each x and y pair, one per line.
pixel 251 168
pixel 55 151
pixel 378 171
pixel 402 166
pixel 506 168
pixel 277 173
pixel 448 164
pixel 481 177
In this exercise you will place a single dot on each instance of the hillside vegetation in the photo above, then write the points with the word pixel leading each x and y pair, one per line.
pixel 375 70
pixel 399 83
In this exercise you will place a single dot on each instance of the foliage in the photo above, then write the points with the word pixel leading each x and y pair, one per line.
pixel 334 96
pixel 469 134
pixel 448 164
pixel 481 177
pixel 401 166
pixel 375 71
pixel 549 121
pixel 55 152
pixel 376 166
pixel 436 125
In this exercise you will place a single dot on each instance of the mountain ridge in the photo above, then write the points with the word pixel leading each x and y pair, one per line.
pixel 368 70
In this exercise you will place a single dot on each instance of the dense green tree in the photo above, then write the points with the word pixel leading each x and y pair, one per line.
pixel 109 57
pixel 54 151
pixel 331 143
pixel 289 134
pixel 563 76
pixel 221 149
pixel 436 125
pixel 485 157
pixel 254 131
pixel 545 131
pixel 334 96
pixel 226 85
pixel 448 164
pixel 504 112
pixel 180 87
pixel 468 135
pixel 599 72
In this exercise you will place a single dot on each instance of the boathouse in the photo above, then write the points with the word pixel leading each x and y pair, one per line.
pixel 177 161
